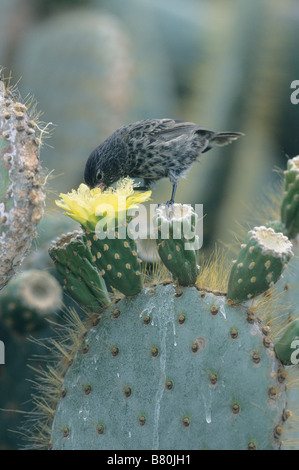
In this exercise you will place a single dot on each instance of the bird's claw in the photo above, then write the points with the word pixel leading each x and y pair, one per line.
pixel 167 205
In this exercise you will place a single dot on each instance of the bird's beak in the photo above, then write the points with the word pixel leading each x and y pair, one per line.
pixel 102 186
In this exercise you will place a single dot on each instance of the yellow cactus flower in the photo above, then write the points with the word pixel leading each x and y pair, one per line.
pixel 89 206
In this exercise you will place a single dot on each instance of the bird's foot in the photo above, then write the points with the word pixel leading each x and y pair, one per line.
pixel 168 206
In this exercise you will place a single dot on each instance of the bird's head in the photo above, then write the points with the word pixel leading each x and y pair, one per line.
pixel 99 172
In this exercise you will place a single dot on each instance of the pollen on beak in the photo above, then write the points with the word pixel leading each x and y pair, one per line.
pixel 102 186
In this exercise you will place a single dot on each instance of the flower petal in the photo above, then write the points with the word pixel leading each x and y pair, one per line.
pixel 88 206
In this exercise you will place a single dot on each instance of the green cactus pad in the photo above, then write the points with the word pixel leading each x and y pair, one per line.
pixel 290 203
pixel 79 276
pixel 28 299
pixel 286 320
pixel 167 371
pixel 179 258
pixel 259 265
pixel 117 261
pixel 287 347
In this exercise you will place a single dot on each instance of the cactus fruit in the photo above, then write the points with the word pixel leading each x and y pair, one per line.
pixel 161 371
pixel 21 188
pixel 290 203
pixel 78 275
pixel 28 299
pixel 172 229
pixel 259 264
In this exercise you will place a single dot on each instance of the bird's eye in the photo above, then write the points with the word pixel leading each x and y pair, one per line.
pixel 99 175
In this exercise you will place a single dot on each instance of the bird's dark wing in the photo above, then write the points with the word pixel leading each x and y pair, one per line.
pixel 155 146
pixel 170 129
pixel 158 146
pixel 165 130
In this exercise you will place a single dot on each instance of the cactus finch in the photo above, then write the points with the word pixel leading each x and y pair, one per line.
pixel 151 149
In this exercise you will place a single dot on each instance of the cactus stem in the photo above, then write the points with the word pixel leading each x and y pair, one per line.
pixel 21 188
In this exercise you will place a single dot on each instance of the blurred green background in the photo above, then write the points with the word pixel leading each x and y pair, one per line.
pixel 94 65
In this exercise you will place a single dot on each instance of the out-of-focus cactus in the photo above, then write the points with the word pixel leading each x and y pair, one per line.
pixel 21 186
pixel 253 39
pixel 47 7
pixel 116 78
pixel 91 51
pixel 28 305
pixel 172 56
pixel 47 230
pixel 28 299
pixel 16 17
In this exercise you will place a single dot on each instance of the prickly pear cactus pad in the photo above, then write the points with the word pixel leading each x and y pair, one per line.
pixel 21 188
pixel 172 371
pixel 79 277
pixel 260 263
pixel 177 242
